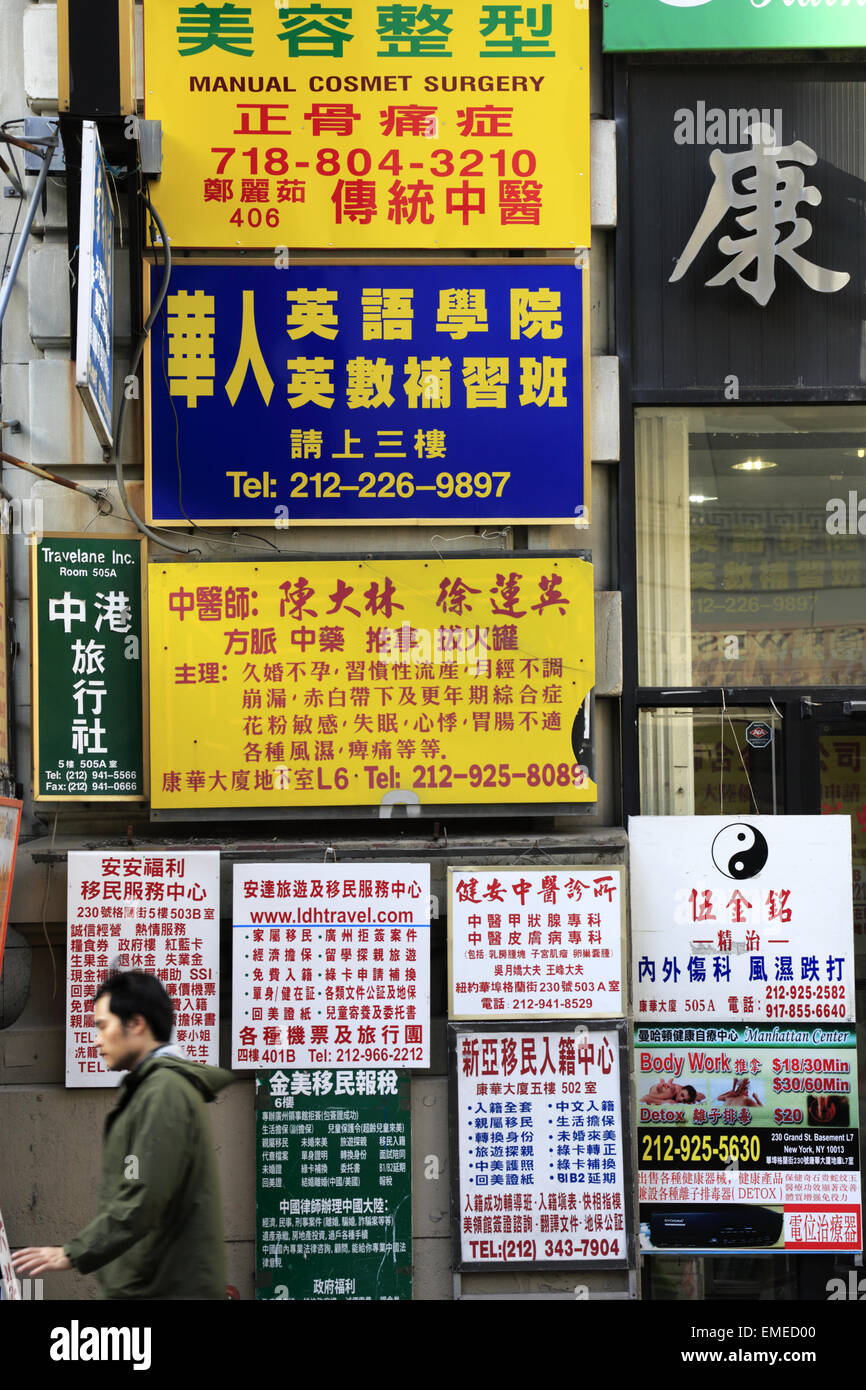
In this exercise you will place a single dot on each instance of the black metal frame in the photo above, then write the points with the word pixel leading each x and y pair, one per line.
pixel 626 501
pixel 796 704
pixel 803 710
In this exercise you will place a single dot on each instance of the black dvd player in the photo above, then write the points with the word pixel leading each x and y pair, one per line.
pixel 724 1226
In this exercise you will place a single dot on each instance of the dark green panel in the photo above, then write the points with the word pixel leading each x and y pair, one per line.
pixel 87 646
pixel 333 1186
pixel 660 25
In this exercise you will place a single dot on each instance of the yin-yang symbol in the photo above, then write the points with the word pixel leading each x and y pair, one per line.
pixel 739 851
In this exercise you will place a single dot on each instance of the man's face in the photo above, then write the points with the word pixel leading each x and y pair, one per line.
pixel 116 1045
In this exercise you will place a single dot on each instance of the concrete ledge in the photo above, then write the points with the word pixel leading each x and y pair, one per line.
pixel 608 643
pixel 604 409
pixel 431 1196
pixel 57 433
pixel 63 510
pixel 48 295
pixel 602 161
pixel 40 57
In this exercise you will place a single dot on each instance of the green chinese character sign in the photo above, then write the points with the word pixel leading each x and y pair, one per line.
pixel 333 1186
pixel 665 25
pixel 86 607
pixel 405 31
pixel 201 27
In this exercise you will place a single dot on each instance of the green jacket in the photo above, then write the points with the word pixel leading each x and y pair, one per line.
pixel 158 1234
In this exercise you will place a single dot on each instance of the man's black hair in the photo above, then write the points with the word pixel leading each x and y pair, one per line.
pixel 135 992
pixel 692 1093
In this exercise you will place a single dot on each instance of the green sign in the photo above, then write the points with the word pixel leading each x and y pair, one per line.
pixel 86 607
pixel 661 25
pixel 333 1186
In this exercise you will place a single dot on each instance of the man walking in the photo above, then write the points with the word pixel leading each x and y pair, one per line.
pixel 158 1234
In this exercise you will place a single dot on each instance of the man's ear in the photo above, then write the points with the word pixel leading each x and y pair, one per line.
pixel 136 1023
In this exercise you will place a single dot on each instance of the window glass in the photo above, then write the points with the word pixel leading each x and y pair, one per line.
pixel 751 557
pixel 842 761
pixel 711 762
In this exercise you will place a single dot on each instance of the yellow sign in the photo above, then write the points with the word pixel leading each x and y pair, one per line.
pixel 371 682
pixel 371 125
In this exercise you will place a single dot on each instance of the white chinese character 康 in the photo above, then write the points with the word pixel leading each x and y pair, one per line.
pixel 765 195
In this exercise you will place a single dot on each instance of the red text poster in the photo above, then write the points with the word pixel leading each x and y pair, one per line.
pixel 540 942
pixel 537 1146
pixel 152 910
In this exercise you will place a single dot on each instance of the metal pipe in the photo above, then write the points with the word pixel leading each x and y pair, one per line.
pixel 133 368
pixel 32 147
pixel 6 288
pixel 52 477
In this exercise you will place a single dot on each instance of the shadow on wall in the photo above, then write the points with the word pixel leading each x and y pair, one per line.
pixel 15 977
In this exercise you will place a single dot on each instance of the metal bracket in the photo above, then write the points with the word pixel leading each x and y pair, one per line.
pixel 9 282
pixel 150 148
pixel 37 128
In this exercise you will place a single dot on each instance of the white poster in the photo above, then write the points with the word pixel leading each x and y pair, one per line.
pixel 743 919
pixel 331 965
pixel 540 1146
pixel 535 943
pixel 748 1138
pixel 94 340
pixel 152 910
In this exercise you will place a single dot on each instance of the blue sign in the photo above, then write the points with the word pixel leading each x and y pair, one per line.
pixel 312 394
pixel 94 344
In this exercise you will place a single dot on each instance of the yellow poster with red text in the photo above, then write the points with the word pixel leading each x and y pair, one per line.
pixel 372 682
pixel 371 125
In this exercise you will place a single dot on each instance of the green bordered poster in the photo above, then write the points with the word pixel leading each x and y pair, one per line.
pixel 333 1186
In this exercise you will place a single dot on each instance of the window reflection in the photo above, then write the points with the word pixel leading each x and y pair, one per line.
pixel 752 570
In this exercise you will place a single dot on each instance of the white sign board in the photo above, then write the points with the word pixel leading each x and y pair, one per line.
pixel 535 943
pixel 152 910
pixel 744 919
pixel 331 965
pixel 540 1146
pixel 94 352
